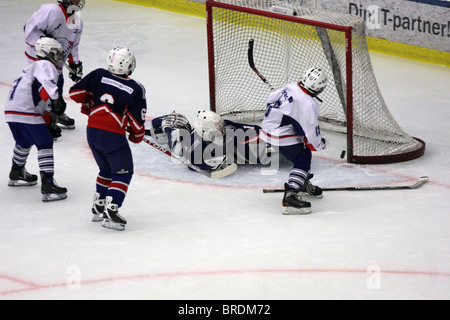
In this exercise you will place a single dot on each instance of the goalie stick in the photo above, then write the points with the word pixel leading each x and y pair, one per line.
pixel 420 182
pixel 213 175
pixel 251 62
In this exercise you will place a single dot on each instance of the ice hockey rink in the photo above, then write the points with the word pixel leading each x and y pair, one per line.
pixel 190 237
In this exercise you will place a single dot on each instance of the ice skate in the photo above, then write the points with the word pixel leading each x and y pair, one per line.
pixel 309 189
pixel 112 219
pixel 19 177
pixel 50 190
pixel 293 203
pixel 66 122
pixel 98 207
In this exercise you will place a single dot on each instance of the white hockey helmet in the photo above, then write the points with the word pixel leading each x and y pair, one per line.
pixel 209 125
pixel 68 3
pixel 315 81
pixel 121 61
pixel 50 49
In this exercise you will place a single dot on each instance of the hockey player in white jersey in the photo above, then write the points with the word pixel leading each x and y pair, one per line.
pixel 30 122
pixel 61 22
pixel 291 124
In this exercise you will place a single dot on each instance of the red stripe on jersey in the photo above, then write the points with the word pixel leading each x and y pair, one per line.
pixel 310 146
pixel 279 137
pixel 80 96
pixel 23 114
pixel 135 126
pixel 44 95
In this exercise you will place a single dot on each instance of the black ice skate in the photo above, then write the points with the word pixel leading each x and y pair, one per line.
pixel 19 177
pixel 293 204
pixel 66 122
pixel 309 189
pixel 98 207
pixel 50 190
pixel 112 219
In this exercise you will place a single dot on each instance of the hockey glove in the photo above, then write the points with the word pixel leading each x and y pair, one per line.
pixel 47 118
pixel 59 106
pixel 50 121
pixel 176 121
pixel 55 131
pixel 77 73
pixel 136 136
pixel 324 143
pixel 85 109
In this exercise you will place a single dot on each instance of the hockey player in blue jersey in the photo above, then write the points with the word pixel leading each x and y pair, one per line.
pixel 291 124
pixel 212 143
pixel 115 104
pixel 30 122
pixel 62 22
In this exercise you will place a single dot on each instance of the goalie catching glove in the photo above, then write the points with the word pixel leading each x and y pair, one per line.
pixel 175 121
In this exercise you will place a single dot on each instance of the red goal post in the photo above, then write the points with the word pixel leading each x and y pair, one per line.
pixel 287 45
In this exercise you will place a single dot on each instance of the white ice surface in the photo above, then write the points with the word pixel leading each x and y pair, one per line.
pixel 189 237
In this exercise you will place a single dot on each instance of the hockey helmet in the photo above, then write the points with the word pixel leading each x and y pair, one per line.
pixel 315 81
pixel 50 49
pixel 68 3
pixel 121 61
pixel 209 125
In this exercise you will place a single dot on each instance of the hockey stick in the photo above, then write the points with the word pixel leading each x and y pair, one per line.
pixel 213 175
pixel 251 62
pixel 420 182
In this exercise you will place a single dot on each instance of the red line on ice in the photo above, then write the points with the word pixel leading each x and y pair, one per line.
pixel 36 287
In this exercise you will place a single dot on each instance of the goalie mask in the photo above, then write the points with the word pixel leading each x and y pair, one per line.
pixel 121 61
pixel 315 81
pixel 210 126
pixel 50 49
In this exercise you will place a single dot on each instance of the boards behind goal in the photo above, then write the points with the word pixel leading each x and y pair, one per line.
pixel 287 43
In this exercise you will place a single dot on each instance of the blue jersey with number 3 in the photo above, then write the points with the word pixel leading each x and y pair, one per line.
pixel 117 102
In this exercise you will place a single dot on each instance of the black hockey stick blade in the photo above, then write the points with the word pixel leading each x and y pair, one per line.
pixel 420 182
pixel 251 62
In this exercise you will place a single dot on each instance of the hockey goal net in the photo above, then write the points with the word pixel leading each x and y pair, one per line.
pixel 287 44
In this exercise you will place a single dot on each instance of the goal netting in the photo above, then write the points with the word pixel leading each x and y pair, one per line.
pixel 288 40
